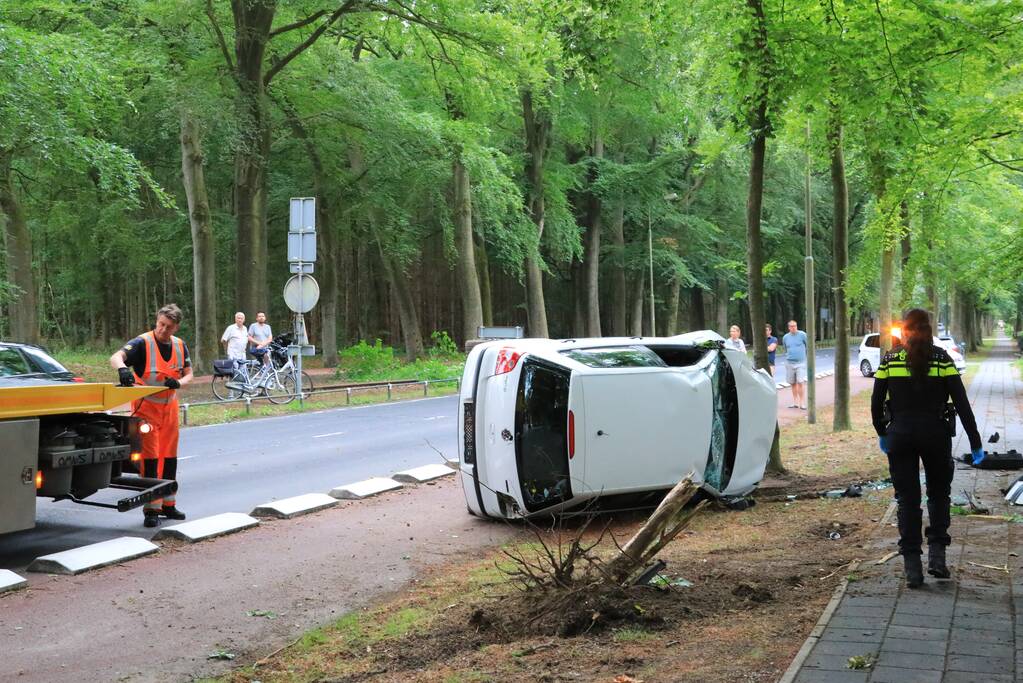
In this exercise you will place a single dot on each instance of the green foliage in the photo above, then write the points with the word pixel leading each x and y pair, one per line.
pixel 376 362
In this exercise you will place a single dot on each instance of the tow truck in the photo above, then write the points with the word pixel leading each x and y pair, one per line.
pixel 58 441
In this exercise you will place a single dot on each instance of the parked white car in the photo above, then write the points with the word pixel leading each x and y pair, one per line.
pixel 545 425
pixel 870 354
pixel 949 343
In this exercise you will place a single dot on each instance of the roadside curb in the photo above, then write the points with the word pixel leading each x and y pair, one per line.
pixel 818 630
pixel 207 527
pixel 286 508
pixel 364 489
pixel 9 581
pixel 419 475
pixel 93 556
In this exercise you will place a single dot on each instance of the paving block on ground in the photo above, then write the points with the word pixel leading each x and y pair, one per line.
pixel 418 475
pixel 93 556
pixel 207 527
pixel 364 489
pixel 286 508
pixel 10 581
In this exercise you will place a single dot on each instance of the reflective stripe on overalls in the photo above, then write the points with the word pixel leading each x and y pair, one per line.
pixel 160 445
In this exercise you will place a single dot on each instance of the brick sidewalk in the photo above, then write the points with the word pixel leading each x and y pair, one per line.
pixel 954 631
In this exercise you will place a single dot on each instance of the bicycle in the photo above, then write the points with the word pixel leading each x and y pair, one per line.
pixel 276 380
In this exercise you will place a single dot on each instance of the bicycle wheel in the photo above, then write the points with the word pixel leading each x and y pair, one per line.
pixel 219 386
pixel 282 390
pixel 307 382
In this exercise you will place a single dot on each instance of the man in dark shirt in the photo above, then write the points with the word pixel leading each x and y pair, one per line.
pixel 772 347
pixel 157 358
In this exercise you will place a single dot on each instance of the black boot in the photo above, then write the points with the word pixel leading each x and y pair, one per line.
pixel 914 571
pixel 171 512
pixel 152 518
pixel 936 566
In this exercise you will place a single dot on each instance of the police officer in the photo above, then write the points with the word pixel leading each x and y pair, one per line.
pixel 917 379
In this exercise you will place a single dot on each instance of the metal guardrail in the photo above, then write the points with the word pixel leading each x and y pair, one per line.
pixel 347 390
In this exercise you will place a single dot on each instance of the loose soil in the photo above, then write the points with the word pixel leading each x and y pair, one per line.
pixel 759 581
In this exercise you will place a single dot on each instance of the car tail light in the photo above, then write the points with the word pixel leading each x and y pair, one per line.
pixel 80 380
pixel 506 361
pixel 955 347
pixel 571 434
pixel 39 479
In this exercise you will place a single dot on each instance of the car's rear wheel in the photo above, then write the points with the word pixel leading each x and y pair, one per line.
pixel 866 369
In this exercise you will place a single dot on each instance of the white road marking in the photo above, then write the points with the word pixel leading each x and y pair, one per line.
pixel 322 436
pixel 436 417
pixel 187 457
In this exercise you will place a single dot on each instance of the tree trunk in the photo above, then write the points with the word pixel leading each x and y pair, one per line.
pixel 591 249
pixel 671 320
pixel 721 305
pixel 840 262
pixel 908 277
pixel 636 328
pixel 620 288
pixel 406 304
pixel 252 22
pixel 204 262
pixel 537 129
pixel 483 275
pixel 23 307
pixel 698 317
pixel 468 281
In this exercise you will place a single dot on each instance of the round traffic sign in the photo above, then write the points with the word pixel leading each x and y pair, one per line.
pixel 301 293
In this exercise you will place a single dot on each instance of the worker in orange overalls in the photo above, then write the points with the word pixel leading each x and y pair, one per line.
pixel 157 358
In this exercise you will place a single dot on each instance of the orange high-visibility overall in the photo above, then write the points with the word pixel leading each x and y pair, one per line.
pixel 160 445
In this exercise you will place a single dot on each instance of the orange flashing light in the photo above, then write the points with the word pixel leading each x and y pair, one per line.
pixel 135 457
pixel 39 479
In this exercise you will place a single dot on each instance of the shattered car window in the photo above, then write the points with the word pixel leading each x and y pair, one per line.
pixel 541 439
pixel 724 424
pixel 617 357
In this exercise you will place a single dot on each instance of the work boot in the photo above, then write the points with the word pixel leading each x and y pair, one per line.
pixel 171 512
pixel 152 518
pixel 936 566
pixel 914 571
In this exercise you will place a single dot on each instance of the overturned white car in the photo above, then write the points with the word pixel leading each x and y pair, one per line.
pixel 545 425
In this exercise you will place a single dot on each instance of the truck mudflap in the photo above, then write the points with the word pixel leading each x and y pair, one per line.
pixel 147 490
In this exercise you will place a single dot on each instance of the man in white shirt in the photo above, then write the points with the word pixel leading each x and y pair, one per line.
pixel 235 338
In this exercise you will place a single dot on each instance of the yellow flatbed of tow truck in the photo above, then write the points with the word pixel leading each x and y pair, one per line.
pixel 58 399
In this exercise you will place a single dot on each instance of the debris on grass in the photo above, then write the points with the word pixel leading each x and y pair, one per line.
pixel 886 557
pixel 221 654
pixel 262 613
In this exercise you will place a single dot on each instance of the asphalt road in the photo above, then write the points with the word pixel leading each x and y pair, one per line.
pixel 235 467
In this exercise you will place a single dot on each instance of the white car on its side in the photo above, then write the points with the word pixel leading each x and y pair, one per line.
pixel 870 354
pixel 545 425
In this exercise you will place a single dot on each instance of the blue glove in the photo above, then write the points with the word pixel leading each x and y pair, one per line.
pixel 882 443
pixel 978 456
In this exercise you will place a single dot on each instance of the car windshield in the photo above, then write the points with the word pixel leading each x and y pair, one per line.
pixel 12 362
pixel 617 357
pixel 42 361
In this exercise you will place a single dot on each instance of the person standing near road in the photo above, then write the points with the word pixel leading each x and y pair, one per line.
pixel 157 358
pixel 795 364
pixel 260 336
pixel 235 338
pixel 917 379
pixel 734 340
pixel 772 347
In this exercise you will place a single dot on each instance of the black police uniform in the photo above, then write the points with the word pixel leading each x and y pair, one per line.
pixel 918 431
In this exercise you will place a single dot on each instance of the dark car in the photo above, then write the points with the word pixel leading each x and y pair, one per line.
pixel 31 361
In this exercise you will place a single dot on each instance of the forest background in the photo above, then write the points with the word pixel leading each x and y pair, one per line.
pixel 526 162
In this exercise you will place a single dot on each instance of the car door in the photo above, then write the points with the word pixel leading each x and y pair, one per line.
pixel 756 396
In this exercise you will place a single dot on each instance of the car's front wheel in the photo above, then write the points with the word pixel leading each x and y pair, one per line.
pixel 866 369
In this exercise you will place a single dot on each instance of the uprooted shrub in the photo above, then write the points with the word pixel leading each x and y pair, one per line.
pixel 572 586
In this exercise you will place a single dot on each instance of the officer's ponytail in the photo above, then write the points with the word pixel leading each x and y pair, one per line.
pixel 918 339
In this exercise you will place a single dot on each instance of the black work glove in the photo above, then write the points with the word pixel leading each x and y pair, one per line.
pixel 172 383
pixel 125 377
